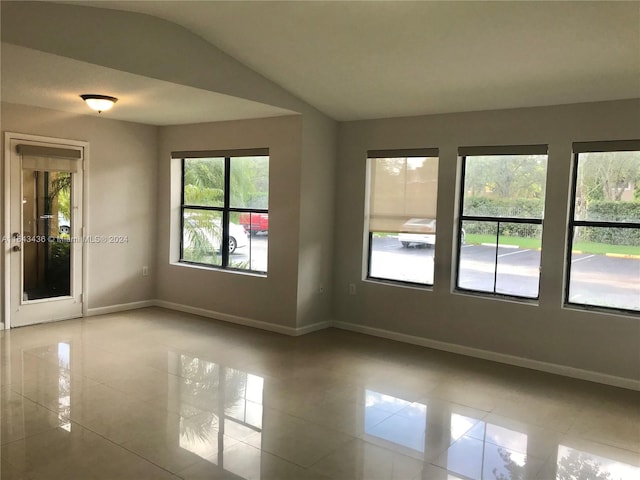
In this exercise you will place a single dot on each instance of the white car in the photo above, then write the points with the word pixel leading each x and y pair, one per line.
pixel 64 225
pixel 420 231
pixel 237 236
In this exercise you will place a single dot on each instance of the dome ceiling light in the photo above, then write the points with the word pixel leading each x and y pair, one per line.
pixel 99 103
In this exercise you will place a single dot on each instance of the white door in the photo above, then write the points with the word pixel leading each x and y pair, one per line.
pixel 45 230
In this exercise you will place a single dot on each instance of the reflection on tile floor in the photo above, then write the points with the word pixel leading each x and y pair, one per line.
pixel 153 394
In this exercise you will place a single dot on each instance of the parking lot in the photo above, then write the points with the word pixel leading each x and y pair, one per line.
pixel 597 279
pixel 603 280
pixel 254 255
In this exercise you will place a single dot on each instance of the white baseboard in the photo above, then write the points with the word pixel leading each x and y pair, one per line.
pixel 314 327
pixel 557 369
pixel 494 356
pixel 121 307
pixel 248 322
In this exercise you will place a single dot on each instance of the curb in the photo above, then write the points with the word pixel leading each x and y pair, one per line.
pixel 501 246
pixel 623 255
pixel 614 255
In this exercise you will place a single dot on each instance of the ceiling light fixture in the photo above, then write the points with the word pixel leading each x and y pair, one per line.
pixel 99 103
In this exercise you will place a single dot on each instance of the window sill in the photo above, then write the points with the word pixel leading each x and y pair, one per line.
pixel 213 268
pixel 534 302
pixel 399 283
pixel 595 309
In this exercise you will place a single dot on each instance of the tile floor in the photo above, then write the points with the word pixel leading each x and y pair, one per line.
pixel 154 394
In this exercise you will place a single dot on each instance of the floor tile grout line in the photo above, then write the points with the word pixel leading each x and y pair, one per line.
pixel 331 452
pixel 570 430
pixel 124 448
pixel 85 427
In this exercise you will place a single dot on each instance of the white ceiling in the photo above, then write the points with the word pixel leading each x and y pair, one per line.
pixel 359 60
pixel 31 77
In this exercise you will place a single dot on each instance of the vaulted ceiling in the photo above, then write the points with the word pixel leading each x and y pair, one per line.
pixel 362 60
pixel 357 60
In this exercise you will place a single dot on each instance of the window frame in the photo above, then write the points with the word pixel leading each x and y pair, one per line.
pixel 577 149
pixel 464 153
pixel 226 209
pixel 427 152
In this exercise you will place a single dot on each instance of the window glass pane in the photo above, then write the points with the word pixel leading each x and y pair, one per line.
pixel 406 260
pixel 247 252
pixel 505 186
pixel 605 267
pixel 219 193
pixel 204 182
pixel 501 187
pixel 254 223
pixel 249 182
pixel 402 211
pixel 514 267
pixel 46 226
pixel 202 236
pixel 608 187
pixel 477 261
pixel 518 261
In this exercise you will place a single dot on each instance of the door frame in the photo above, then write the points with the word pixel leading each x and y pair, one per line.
pixel 6 197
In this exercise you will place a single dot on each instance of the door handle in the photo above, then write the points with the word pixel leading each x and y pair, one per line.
pixel 16 248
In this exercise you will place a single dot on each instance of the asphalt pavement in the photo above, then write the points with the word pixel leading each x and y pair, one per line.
pixel 252 256
pixel 595 279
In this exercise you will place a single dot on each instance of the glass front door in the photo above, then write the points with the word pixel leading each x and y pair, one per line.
pixel 45 246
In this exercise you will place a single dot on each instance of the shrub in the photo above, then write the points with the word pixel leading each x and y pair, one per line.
pixel 498 207
pixel 607 211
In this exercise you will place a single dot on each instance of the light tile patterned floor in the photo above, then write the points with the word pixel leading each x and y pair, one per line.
pixel 155 394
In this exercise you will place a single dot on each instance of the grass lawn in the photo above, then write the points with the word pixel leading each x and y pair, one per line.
pixel 384 234
pixel 533 243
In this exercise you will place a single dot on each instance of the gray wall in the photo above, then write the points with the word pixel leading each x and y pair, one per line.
pixel 270 299
pixel 317 186
pixel 311 247
pixel 547 332
pixel 122 190
pixel 155 48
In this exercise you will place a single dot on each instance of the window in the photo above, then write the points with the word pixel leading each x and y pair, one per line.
pixel 500 222
pixel 403 191
pixel 224 209
pixel 604 226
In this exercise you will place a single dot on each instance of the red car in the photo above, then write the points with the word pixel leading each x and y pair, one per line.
pixel 255 222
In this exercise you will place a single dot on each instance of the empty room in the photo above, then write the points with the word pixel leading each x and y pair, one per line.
pixel 320 240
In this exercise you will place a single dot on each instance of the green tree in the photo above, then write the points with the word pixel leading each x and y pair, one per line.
pixel 60 193
pixel 605 175
pixel 506 176
pixel 200 230
pixel 204 180
pixel 249 179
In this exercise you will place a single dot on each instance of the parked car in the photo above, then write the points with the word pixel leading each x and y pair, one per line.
pixel 420 231
pixel 237 236
pixel 255 223
pixel 64 225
